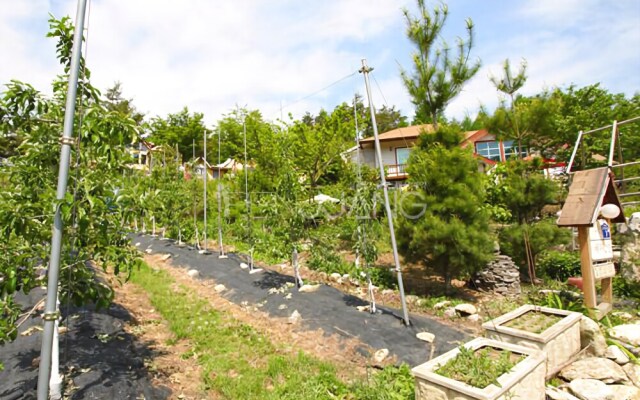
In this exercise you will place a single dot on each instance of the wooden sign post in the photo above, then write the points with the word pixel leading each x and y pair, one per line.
pixel 589 192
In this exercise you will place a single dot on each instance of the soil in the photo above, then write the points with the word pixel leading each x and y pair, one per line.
pixel 168 368
pixel 291 338
pixel 533 321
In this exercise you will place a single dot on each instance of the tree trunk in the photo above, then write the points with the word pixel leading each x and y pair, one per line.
pixel 447 282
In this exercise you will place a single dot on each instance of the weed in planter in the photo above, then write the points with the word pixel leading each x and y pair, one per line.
pixel 534 321
pixel 480 367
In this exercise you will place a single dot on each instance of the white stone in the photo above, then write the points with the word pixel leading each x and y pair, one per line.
pixel 474 318
pixel 193 273
pixel 148 251
pixel 441 304
pixel 591 335
pixel 380 355
pixel 622 315
pixel 288 296
pixel 629 333
pixel 591 389
pixel 466 309
pixel 412 299
pixel 614 353
pixel 283 307
pixel 426 336
pixel 601 369
pixel 363 308
pixel 308 288
pixel 450 312
pixel 335 276
pixel 554 393
pixel 345 277
pixel 219 288
pixel 165 257
pixel 633 373
pixel 244 265
pixel 625 392
pixel 387 291
pixel 295 317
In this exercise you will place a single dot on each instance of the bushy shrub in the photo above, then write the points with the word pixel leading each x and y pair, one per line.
pixel 626 288
pixel 542 235
pixel 559 265
pixel 383 277
pixel 323 259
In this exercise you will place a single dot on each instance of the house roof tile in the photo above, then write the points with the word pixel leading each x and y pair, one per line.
pixel 408 132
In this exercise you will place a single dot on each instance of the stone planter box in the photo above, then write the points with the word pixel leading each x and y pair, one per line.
pixel 560 342
pixel 525 381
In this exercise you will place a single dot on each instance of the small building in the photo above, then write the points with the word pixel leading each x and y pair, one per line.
pixel 396 146
pixel 142 153
pixel 230 166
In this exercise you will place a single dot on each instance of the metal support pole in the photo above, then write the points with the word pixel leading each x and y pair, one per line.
pixel 204 177
pixel 612 145
pixel 573 153
pixel 246 191
pixel 365 71
pixel 220 244
pixel 50 310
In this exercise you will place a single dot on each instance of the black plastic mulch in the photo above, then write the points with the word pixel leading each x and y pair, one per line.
pixel 328 308
pixel 103 361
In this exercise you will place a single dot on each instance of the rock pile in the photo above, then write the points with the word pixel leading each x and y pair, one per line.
pixel 607 372
pixel 500 276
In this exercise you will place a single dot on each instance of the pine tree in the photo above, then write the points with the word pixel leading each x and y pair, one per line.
pixel 446 227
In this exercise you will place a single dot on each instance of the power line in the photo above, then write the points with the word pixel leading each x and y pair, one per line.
pixel 316 92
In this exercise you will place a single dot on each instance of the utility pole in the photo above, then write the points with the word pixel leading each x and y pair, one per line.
pixel 365 71
pixel 51 313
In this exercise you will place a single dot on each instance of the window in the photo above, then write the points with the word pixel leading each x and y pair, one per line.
pixel 402 155
pixel 511 149
pixel 490 150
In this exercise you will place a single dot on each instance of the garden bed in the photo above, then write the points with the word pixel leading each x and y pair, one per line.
pixel 556 332
pixel 520 373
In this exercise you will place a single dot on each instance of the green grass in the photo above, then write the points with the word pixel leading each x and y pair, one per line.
pixel 240 363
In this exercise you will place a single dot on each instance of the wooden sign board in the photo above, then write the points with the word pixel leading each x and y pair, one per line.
pixel 589 191
pixel 600 241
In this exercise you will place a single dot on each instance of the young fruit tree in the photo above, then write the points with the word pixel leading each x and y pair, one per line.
pixel 94 240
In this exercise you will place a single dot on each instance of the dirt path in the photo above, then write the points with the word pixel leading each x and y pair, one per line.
pixel 167 367
pixel 340 351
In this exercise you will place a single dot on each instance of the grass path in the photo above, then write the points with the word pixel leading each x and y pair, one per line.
pixel 240 363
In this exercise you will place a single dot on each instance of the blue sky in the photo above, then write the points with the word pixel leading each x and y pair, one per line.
pixel 213 55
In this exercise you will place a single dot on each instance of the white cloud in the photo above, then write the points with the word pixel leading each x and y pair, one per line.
pixel 212 56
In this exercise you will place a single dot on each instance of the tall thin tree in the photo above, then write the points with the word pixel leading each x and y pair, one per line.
pixel 438 75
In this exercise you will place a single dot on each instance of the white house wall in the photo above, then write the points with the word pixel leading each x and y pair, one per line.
pixel 388 150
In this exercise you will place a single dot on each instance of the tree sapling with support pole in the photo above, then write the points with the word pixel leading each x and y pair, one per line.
pixel 247 199
pixel 365 71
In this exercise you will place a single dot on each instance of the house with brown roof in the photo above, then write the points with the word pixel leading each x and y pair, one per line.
pixel 396 146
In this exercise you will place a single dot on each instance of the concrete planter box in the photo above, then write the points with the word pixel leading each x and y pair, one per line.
pixel 560 342
pixel 525 381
